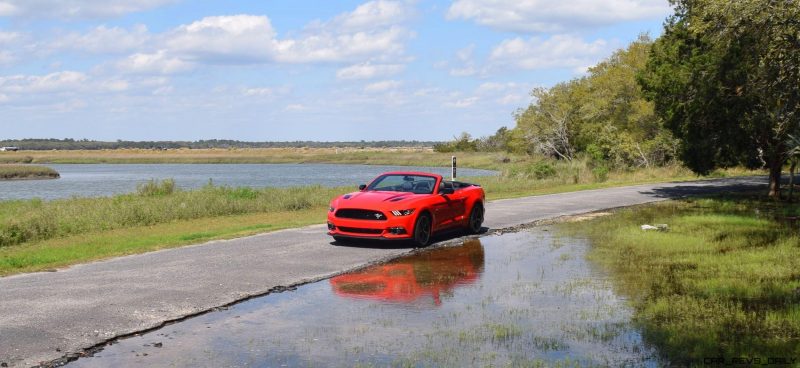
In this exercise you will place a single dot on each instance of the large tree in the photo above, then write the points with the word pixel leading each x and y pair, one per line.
pixel 725 78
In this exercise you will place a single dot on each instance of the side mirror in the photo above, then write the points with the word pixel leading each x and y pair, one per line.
pixel 362 187
pixel 446 188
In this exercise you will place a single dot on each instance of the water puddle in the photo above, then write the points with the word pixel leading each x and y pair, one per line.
pixel 520 299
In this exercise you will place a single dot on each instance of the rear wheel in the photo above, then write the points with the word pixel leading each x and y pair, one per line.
pixel 422 230
pixel 475 219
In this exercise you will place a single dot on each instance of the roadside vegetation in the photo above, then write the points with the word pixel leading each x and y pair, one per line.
pixel 19 172
pixel 37 235
pixel 722 282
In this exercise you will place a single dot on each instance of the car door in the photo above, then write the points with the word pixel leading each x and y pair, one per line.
pixel 445 208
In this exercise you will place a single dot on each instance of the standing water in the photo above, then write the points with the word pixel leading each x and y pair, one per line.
pixel 520 299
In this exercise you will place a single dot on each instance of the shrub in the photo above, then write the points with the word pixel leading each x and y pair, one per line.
pixel 154 188
pixel 600 173
pixel 543 170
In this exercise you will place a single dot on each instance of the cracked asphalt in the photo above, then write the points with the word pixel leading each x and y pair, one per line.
pixel 46 316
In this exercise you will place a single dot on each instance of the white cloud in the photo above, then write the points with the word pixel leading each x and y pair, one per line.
pixel 154 63
pixel 3 98
pixel 368 70
pixel 559 51
pixel 466 62
pixel 511 99
pixel 295 107
pixel 53 82
pixel 382 86
pixel 333 47
pixel 236 38
pixel 76 9
pixel 8 37
pixel 263 91
pixel 104 40
pixel 462 103
pixel 374 14
pixel 530 16
pixel 369 33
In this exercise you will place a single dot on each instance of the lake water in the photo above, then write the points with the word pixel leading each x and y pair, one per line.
pixel 93 180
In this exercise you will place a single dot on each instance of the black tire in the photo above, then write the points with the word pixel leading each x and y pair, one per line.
pixel 475 223
pixel 422 230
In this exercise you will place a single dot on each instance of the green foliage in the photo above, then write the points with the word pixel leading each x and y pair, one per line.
pixel 722 281
pixel 604 115
pixel 156 188
pixel 724 78
pixel 600 173
pixel 463 143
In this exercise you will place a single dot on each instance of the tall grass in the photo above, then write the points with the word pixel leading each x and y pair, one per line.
pixel 10 172
pixel 13 158
pixel 724 281
pixel 155 203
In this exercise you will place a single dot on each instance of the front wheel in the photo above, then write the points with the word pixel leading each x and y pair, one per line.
pixel 475 219
pixel 422 230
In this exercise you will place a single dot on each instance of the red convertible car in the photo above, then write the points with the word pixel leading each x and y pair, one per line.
pixel 406 206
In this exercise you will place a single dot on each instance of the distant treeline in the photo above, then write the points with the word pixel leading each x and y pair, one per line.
pixel 85 144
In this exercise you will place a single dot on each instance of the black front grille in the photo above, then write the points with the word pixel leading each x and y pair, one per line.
pixel 361 214
pixel 356 230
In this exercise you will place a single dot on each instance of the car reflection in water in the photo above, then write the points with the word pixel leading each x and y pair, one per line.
pixel 412 278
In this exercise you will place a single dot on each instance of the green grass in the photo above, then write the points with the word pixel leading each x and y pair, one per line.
pixel 15 172
pixel 96 245
pixel 723 281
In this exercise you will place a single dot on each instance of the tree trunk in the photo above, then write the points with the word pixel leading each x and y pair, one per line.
pixel 775 168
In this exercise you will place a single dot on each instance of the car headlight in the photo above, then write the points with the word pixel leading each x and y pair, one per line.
pixel 331 209
pixel 402 212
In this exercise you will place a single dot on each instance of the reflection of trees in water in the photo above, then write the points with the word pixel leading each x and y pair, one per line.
pixel 408 278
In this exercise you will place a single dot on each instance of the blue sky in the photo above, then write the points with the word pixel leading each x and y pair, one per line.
pixel 294 69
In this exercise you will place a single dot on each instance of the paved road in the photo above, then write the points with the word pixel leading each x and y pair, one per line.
pixel 46 315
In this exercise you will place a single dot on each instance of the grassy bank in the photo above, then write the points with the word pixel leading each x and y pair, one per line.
pixel 37 234
pixel 19 172
pixel 723 282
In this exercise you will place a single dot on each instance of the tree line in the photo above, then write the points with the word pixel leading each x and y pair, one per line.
pixel 719 88
pixel 85 144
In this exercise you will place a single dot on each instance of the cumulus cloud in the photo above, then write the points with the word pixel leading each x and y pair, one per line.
pixel 53 82
pixel 368 70
pixel 104 39
pixel 382 86
pixel 368 33
pixel 237 38
pixel 373 14
pixel 559 51
pixel 76 9
pixel 466 63
pixel 462 103
pixel 153 63
pixel 531 16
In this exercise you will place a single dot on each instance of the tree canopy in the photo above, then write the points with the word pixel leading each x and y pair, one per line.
pixel 725 79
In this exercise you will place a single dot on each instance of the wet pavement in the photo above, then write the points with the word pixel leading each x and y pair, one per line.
pixel 524 299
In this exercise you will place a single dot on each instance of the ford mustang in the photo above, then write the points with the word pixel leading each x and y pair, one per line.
pixel 406 206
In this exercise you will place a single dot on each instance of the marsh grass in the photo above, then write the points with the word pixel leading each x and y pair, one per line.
pixel 155 203
pixel 12 172
pixel 724 281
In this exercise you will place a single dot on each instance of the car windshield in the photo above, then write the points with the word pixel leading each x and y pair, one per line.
pixel 416 184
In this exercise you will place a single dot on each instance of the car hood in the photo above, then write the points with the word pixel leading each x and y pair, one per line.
pixel 376 199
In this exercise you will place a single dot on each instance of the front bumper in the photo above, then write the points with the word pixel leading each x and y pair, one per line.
pixel 369 229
